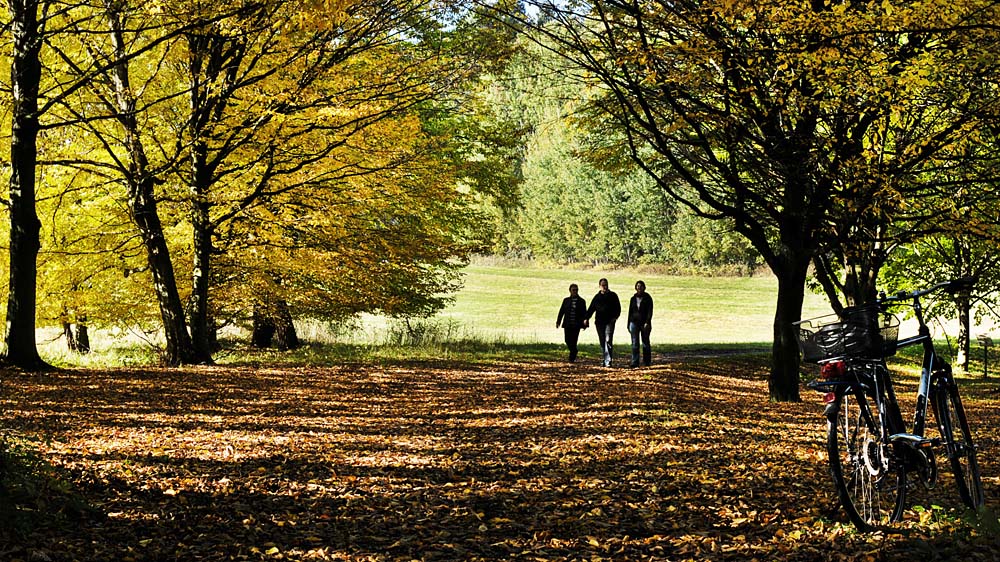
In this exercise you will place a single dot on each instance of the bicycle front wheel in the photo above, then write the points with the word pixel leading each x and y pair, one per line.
pixel 870 482
pixel 957 439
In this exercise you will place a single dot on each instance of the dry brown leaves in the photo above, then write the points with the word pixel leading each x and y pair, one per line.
pixel 522 460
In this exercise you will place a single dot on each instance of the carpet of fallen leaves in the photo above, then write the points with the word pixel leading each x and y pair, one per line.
pixel 522 460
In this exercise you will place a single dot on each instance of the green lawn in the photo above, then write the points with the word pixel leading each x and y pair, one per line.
pixel 520 304
pixel 516 308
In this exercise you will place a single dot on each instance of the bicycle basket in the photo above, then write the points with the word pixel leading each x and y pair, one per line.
pixel 860 332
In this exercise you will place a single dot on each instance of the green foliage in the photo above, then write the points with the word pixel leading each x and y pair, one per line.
pixel 940 258
pixel 581 204
pixel 573 212
pixel 710 246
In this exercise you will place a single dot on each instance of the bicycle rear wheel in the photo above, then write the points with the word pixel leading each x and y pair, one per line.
pixel 870 482
pixel 957 438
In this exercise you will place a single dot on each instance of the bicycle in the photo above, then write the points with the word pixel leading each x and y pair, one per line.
pixel 872 456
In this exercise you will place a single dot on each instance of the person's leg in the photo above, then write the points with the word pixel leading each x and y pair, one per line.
pixel 647 349
pixel 602 340
pixel 609 336
pixel 633 330
pixel 572 338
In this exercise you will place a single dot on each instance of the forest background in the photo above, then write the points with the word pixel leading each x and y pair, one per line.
pixel 327 159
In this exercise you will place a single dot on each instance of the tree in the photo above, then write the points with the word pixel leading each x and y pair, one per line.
pixel 271 103
pixel 27 30
pixel 279 96
pixel 112 42
pixel 936 218
pixel 767 123
pixel 944 257
pixel 389 241
pixel 30 32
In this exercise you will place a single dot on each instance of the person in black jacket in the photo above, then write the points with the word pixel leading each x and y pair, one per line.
pixel 640 318
pixel 606 308
pixel 572 317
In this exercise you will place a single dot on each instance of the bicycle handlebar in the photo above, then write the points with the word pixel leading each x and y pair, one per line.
pixel 953 286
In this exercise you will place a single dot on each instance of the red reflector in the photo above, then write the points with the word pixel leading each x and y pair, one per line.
pixel 829 398
pixel 833 370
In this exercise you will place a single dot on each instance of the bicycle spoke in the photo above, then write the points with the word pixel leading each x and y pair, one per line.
pixel 870 484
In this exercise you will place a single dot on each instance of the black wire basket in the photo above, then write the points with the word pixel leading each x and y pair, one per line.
pixel 862 332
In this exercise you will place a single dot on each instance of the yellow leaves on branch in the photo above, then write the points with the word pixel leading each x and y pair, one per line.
pixel 324 15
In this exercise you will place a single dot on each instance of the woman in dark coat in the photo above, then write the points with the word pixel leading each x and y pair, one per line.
pixel 572 317
pixel 640 319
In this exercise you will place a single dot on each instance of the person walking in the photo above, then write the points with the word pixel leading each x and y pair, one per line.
pixel 640 318
pixel 605 308
pixel 572 317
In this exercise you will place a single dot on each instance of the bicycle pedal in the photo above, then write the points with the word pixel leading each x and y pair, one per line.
pixel 911 440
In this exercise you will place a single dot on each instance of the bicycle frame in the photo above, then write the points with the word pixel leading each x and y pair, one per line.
pixel 932 368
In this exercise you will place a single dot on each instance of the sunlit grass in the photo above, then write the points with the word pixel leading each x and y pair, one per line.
pixel 521 303
pixel 504 311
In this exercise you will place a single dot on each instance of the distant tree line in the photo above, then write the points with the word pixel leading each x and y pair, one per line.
pixel 578 204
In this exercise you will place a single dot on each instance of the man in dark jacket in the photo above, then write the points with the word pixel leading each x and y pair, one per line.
pixel 606 308
pixel 572 317
pixel 640 319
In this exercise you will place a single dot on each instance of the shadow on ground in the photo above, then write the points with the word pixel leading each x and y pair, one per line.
pixel 428 460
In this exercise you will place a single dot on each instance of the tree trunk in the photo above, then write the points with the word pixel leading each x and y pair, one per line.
pixel 263 327
pixel 142 207
pixel 77 340
pixel 964 326
pixel 179 349
pixel 69 335
pixel 25 227
pixel 783 383
pixel 82 335
pixel 213 62
pixel 201 226
pixel 273 326
pixel 285 337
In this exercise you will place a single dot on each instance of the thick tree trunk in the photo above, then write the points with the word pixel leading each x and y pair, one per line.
pixel 25 227
pixel 273 326
pixel 82 335
pixel 69 335
pixel 201 332
pixel 263 327
pixel 285 336
pixel 77 340
pixel 783 384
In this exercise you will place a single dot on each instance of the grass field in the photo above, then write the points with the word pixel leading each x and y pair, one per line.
pixel 513 309
pixel 520 304
pixel 508 309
